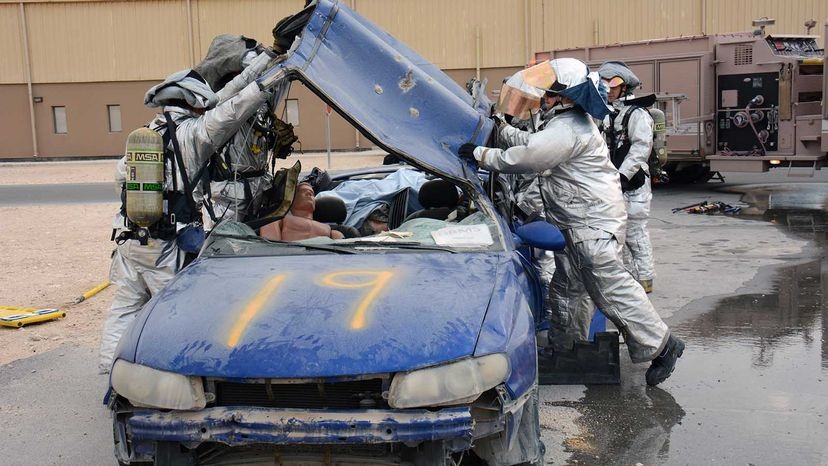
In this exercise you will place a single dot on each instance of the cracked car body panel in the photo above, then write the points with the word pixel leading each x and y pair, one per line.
pixel 304 329
pixel 243 426
pixel 509 328
pixel 377 83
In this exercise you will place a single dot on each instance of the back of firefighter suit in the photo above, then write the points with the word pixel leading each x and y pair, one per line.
pixel 203 122
pixel 582 195
pixel 630 140
pixel 238 174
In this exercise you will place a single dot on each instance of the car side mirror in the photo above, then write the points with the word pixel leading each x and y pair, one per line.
pixel 542 235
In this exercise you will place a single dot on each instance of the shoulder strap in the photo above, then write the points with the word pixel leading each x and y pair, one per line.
pixel 179 161
pixel 626 120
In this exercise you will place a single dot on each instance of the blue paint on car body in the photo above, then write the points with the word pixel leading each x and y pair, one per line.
pixel 358 69
pixel 251 425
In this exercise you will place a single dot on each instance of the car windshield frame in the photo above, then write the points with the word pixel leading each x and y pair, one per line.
pixel 233 239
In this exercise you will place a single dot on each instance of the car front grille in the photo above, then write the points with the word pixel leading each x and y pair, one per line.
pixel 365 394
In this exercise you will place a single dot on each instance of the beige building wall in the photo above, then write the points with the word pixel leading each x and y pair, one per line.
pixel 88 54
pixel 15 126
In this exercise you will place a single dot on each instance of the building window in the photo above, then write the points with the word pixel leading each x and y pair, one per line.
pixel 114 118
pixel 59 119
pixel 292 111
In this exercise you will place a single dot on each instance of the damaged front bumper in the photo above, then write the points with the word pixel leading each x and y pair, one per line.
pixel 235 426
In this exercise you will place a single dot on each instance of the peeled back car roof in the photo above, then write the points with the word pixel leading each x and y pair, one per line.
pixel 401 101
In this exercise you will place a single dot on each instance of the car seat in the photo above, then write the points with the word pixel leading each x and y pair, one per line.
pixel 439 198
pixel 332 210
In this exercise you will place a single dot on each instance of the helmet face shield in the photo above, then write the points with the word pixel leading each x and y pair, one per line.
pixel 614 82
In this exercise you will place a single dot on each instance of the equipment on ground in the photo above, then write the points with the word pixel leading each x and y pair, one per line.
pixel 708 207
pixel 144 179
pixel 13 316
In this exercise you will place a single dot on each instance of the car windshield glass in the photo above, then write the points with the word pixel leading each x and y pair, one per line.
pixel 475 232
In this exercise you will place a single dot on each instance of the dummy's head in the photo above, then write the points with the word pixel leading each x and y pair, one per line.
pixel 304 200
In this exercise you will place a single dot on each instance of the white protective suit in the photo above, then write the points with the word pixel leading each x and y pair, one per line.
pixel 640 131
pixel 583 199
pixel 247 154
pixel 141 271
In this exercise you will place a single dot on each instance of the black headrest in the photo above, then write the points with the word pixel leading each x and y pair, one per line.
pixel 438 193
pixel 330 209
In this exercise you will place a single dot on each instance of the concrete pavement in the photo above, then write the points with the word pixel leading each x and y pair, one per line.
pixel 745 293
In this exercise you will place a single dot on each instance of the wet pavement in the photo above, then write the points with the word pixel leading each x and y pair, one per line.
pixel 752 386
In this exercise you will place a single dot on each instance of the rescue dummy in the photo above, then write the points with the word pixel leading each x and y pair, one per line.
pixel 299 224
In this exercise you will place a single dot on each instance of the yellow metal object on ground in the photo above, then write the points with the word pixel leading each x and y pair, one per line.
pixel 12 316
pixel 91 292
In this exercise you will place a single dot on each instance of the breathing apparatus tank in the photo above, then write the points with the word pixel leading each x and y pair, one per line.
pixel 145 179
pixel 658 156
pixel 659 134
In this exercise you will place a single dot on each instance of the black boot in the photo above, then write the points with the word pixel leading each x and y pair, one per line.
pixel 663 365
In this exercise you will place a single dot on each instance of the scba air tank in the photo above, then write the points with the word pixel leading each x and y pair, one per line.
pixel 659 134
pixel 145 177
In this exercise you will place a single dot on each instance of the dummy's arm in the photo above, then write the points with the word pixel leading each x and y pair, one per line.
pixel 272 231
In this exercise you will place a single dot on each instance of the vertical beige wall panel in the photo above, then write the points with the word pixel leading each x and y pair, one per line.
pixel 444 32
pixel 252 18
pixel 15 126
pixel 111 41
pixel 11 40
pixel 580 23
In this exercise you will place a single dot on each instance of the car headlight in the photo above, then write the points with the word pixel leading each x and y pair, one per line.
pixel 455 383
pixel 151 388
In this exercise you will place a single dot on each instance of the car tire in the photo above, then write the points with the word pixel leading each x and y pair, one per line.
pixel 432 453
pixel 173 454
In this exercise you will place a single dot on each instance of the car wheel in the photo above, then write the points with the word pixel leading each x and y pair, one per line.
pixel 432 453
pixel 173 454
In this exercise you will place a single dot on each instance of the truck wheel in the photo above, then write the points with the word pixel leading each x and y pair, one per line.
pixel 687 174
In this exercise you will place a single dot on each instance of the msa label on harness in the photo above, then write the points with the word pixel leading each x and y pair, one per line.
pixel 133 186
pixel 660 127
pixel 152 187
pixel 144 157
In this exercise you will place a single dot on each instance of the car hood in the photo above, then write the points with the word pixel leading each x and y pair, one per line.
pixel 398 99
pixel 318 315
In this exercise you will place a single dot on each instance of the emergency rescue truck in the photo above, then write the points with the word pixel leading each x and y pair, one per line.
pixel 749 101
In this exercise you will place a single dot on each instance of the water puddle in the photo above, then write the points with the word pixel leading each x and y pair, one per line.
pixel 752 387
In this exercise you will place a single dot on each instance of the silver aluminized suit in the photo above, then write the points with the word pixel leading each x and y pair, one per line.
pixel 583 199
pixel 141 271
pixel 232 198
pixel 640 131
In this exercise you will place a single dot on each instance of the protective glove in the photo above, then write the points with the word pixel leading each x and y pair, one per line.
pixel 625 183
pixel 466 152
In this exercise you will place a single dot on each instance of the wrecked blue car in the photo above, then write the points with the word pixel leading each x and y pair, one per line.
pixel 412 346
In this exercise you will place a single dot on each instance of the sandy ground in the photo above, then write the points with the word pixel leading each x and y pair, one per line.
pixel 103 171
pixel 53 254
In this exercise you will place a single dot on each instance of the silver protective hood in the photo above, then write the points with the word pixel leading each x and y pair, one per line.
pixel 224 58
pixel 612 69
pixel 185 86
